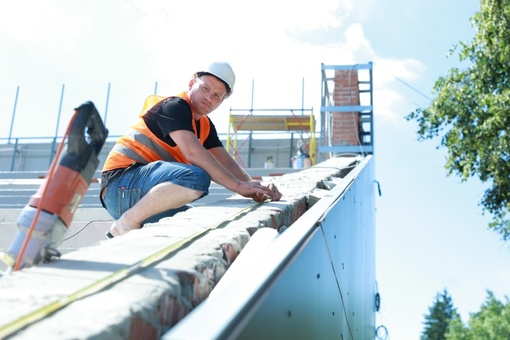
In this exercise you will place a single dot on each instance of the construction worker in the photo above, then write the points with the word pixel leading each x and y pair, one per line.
pixel 171 153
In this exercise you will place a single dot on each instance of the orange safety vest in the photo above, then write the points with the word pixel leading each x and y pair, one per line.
pixel 140 145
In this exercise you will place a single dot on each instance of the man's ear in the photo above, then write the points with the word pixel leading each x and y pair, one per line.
pixel 191 83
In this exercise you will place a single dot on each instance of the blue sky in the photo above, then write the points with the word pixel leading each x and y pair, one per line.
pixel 431 234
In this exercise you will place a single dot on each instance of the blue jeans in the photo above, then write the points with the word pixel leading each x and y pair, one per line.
pixel 126 189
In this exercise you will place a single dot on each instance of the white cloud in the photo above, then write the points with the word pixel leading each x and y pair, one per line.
pixel 392 97
pixel 136 43
pixel 42 24
pixel 237 31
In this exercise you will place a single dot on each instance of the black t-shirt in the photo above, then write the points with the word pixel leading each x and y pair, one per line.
pixel 170 114
pixel 173 114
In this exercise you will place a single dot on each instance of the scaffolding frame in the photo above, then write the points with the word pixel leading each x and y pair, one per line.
pixel 365 112
pixel 252 121
pixel 275 120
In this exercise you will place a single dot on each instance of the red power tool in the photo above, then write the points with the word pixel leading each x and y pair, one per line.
pixel 52 207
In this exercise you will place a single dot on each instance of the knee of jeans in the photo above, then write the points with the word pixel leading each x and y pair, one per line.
pixel 204 178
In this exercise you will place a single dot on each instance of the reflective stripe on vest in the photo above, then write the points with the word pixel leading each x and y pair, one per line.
pixel 149 146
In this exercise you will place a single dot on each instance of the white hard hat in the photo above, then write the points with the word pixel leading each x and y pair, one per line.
pixel 223 71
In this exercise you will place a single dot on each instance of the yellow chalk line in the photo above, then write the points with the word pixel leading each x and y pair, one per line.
pixel 97 286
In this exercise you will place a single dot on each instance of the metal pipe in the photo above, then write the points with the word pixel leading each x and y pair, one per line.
pixel 107 102
pixel 13 114
pixel 303 96
pixel 58 123
pixel 14 154
pixel 251 132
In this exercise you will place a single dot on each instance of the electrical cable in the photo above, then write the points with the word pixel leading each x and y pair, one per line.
pixel 43 196
pixel 412 88
pixel 381 332
pixel 83 228
pixel 408 85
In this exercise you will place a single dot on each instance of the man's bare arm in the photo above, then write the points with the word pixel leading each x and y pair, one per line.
pixel 230 164
pixel 235 169
pixel 199 156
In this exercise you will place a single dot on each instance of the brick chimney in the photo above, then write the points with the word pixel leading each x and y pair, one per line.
pixel 346 128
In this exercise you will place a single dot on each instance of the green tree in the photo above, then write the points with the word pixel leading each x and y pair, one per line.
pixel 470 111
pixel 437 321
pixel 492 322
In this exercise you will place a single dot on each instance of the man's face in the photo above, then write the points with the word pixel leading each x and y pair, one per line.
pixel 206 94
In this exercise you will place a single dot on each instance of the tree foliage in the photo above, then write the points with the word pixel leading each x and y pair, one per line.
pixel 440 314
pixel 492 322
pixel 470 111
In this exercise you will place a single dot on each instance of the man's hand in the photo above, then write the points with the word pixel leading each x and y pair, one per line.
pixel 275 194
pixel 259 192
